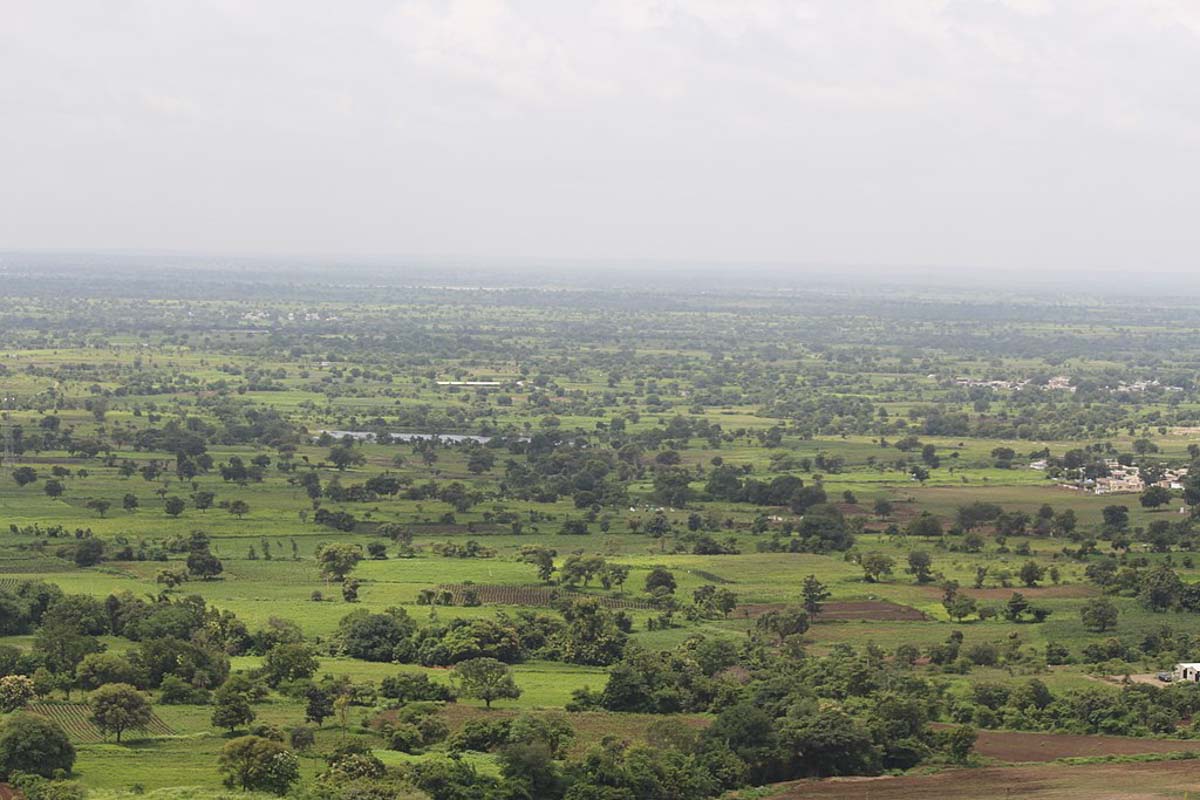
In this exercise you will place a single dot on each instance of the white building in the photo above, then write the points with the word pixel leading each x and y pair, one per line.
pixel 1187 671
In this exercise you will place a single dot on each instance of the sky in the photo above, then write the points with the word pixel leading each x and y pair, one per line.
pixel 961 134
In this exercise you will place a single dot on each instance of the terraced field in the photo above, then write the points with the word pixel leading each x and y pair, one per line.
pixel 75 719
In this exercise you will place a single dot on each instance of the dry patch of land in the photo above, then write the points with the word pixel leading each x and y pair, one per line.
pixel 1138 781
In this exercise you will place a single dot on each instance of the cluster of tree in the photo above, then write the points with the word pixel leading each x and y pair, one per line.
pixel 587 633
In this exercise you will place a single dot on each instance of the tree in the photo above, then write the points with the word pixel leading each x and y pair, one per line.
pixel 960 607
pixel 814 593
pixel 920 566
pixel 319 705
pixel 1016 606
pixel 129 502
pixel 1098 614
pixel 239 508
pixel 53 488
pixel 254 763
pixel 116 707
pixel 660 581
pixel 15 692
pixel 875 566
pixel 203 500
pixel 34 745
pixel 960 741
pixel 62 647
pixel 540 557
pixel 1155 496
pixel 791 621
pixel 98 669
pixel 926 524
pixel 99 505
pixel 614 575
pixel 89 552
pixel 24 475
pixel 1160 588
pixel 204 565
pixel 1031 572
pixel 883 508
pixel 338 560
pixel 289 662
pixel 232 708
pixel 174 506
pixel 486 679
pixel 1116 517
pixel 344 456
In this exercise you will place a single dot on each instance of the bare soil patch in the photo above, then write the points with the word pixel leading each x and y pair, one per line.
pixel 1019 747
pixel 1144 781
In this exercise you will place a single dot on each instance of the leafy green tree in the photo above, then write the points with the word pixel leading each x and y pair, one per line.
pixel 254 763
pixel 540 557
pixel 1160 588
pixel 319 705
pixel 876 566
pixel 24 475
pixel 239 508
pixel 289 662
pixel 960 741
pixel 231 709
pixel 814 593
pixel 1016 606
pixel 928 525
pixel 98 669
pixel 34 745
pixel 961 607
pixel 1154 497
pixel 203 500
pixel 345 456
pixel 660 581
pixel 782 623
pixel 99 505
pixel 117 707
pixel 1116 517
pixel 486 679
pixel 338 560
pixel 15 692
pixel 920 566
pixel 1031 572
pixel 204 565
pixel 174 506
pixel 1098 614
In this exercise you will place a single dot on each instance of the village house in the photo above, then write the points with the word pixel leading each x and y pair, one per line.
pixel 1187 671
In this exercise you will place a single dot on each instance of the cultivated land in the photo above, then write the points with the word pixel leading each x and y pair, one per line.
pixel 723 448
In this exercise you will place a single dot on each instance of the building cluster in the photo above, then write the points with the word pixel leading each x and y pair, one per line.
pixel 1059 383
pixel 1122 479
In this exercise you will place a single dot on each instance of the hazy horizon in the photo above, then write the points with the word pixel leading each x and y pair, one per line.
pixel 1051 137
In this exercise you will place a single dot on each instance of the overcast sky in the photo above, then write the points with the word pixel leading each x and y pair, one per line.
pixel 988 133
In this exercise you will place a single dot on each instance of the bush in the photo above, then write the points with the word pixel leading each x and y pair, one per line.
pixel 405 738
pixel 481 735
pixel 409 687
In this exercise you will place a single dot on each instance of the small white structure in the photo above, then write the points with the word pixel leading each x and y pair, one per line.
pixel 1187 671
